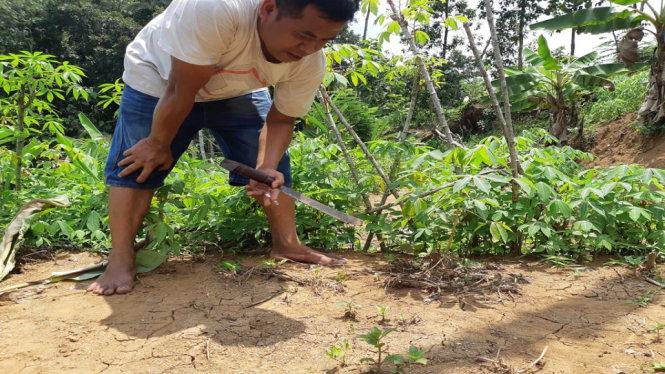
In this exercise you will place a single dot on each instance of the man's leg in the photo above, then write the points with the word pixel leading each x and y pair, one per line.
pixel 127 210
pixel 285 242
pixel 236 124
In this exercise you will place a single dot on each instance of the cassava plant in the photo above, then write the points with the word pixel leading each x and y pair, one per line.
pixel 31 81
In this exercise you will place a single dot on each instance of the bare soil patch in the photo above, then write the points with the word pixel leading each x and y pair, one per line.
pixel 617 143
pixel 187 316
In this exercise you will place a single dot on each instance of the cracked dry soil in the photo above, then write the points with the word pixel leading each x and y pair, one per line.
pixel 187 317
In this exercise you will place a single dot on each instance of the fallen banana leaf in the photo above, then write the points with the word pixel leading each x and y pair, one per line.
pixel 145 260
pixel 17 228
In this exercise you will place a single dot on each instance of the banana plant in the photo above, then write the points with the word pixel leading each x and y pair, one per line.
pixel 548 83
pixel 633 17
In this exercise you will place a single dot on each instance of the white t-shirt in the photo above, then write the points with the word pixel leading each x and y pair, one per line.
pixel 221 33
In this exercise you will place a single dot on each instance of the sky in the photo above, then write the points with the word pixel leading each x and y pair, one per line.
pixel 584 43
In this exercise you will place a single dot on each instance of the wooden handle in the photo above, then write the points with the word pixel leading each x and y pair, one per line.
pixel 248 172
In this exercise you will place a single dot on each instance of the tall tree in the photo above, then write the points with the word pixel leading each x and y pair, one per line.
pixel 439 30
pixel 514 16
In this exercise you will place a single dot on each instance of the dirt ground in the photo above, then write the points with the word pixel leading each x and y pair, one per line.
pixel 617 142
pixel 188 316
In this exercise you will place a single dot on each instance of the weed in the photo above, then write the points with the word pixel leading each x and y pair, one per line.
pixel 375 337
pixel 349 305
pixel 338 353
pixel 657 327
pixel 413 356
pixel 229 266
pixel 271 263
pixel 643 300
pixel 382 311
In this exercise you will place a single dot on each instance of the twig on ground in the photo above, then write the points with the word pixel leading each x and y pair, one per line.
pixel 620 276
pixel 537 360
pixel 654 282
pixel 266 299
pixel 208 349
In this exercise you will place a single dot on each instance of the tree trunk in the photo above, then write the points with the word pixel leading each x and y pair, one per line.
pixel 20 139
pixel 572 42
pixel 202 145
pixel 652 112
pixel 402 138
pixel 359 141
pixel 406 34
pixel 515 166
pixel 446 14
pixel 366 23
pixel 520 46
pixel 516 246
pixel 325 100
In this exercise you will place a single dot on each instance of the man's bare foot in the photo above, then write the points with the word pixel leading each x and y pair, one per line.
pixel 302 253
pixel 118 278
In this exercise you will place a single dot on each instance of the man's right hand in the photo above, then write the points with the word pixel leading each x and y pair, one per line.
pixel 147 156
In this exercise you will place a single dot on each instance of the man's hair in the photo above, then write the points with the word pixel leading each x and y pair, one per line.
pixel 335 10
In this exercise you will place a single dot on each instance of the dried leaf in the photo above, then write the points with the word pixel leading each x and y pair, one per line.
pixel 17 228
pixel 635 34
pixel 628 52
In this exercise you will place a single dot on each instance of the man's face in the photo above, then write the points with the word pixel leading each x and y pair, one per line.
pixel 290 39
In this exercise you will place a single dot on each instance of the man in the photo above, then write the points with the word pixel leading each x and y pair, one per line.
pixel 208 63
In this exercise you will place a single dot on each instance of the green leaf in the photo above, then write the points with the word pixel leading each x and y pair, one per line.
pixel 461 184
pixel 90 128
pixel 585 17
pixel 584 226
pixel 482 185
pixel 558 206
pixel 550 63
pixel 498 232
pixel 149 260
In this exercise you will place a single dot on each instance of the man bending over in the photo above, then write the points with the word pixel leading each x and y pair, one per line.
pixel 208 63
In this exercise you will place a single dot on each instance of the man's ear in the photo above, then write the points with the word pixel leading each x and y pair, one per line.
pixel 267 10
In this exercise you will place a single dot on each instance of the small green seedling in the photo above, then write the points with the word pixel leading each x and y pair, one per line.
pixel 382 311
pixel 642 301
pixel 271 263
pixel 657 327
pixel 349 305
pixel 229 266
pixel 414 356
pixel 374 339
pixel 390 257
pixel 338 353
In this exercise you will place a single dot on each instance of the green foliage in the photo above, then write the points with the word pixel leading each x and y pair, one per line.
pixel 382 311
pixel 375 339
pixel 643 300
pixel 348 308
pixel 608 105
pixel 338 353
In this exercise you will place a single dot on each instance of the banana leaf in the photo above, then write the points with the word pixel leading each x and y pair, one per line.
pixel 17 228
pixel 588 17
pixel 613 25
pixel 532 58
pixel 612 69
pixel 550 63
pixel 583 61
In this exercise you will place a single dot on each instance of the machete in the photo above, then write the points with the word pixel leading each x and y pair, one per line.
pixel 251 173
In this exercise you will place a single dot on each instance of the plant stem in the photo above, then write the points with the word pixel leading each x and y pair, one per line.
pixel 434 98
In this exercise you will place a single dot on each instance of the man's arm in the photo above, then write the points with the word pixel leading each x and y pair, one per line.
pixel 154 152
pixel 274 141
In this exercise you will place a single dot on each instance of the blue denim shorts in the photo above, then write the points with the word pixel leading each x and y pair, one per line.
pixel 235 123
